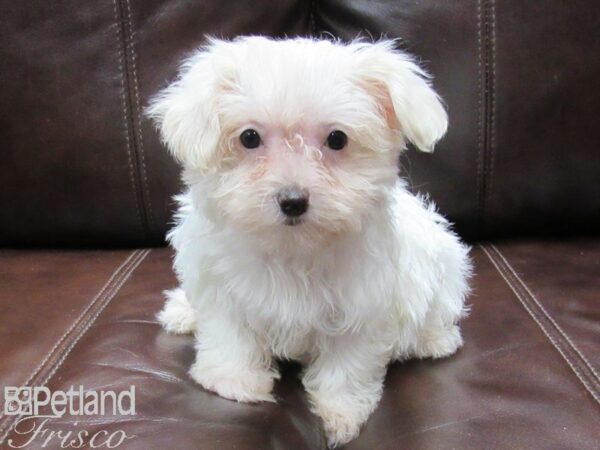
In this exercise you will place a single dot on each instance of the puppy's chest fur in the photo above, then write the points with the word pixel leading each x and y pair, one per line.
pixel 291 301
pixel 304 291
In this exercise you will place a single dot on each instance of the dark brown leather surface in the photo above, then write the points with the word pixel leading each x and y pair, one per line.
pixel 509 387
pixel 544 161
pixel 41 295
pixel 82 166
pixel 66 166
pixel 553 279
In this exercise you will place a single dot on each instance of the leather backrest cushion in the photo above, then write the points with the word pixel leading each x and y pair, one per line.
pixel 82 166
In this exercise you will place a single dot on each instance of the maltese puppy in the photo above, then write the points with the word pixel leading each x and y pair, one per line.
pixel 295 238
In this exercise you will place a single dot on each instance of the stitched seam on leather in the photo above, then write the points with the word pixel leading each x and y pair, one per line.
pixel 117 287
pixel 136 90
pixel 81 329
pixel 549 317
pixel 486 21
pixel 480 109
pixel 75 323
pixel 118 32
pixel 486 100
pixel 492 107
pixel 554 340
pixel 119 275
pixel 564 349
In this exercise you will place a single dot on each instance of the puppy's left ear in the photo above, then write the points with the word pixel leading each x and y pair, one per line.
pixel 404 93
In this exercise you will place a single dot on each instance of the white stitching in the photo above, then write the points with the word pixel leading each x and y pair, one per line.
pixel 527 308
pixel 93 318
pixel 137 102
pixel 76 322
pixel 128 265
pixel 550 318
pixel 90 321
pixel 125 115
pixel 523 302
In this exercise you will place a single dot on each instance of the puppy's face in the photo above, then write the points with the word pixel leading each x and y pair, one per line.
pixel 294 142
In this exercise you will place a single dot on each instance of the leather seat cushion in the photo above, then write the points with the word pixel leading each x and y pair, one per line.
pixel 527 373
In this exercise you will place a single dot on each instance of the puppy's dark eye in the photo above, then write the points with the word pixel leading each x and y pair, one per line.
pixel 250 138
pixel 337 140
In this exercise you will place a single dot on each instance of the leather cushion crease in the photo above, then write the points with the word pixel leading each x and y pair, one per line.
pixel 86 198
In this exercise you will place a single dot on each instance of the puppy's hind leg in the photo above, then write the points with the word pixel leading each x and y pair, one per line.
pixel 437 339
pixel 177 316
pixel 439 335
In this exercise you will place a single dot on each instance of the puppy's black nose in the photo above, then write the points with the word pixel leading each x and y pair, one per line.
pixel 293 201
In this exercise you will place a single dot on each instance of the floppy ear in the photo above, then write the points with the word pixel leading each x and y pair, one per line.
pixel 186 112
pixel 406 97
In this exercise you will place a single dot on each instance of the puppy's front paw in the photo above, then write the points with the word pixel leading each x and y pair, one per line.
pixel 177 316
pixel 245 385
pixel 341 424
pixel 439 342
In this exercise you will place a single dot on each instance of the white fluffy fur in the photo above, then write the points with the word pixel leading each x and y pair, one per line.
pixel 371 274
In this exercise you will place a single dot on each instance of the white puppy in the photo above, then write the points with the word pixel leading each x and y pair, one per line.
pixel 295 237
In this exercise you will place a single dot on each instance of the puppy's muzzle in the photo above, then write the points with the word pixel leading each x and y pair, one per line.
pixel 293 201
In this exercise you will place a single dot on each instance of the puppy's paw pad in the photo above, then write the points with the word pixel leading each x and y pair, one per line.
pixel 245 386
pixel 177 316
pixel 440 343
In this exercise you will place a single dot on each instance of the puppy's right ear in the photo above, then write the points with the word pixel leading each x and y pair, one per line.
pixel 186 112
pixel 407 99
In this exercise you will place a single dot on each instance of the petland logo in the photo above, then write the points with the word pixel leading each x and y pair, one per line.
pixel 32 420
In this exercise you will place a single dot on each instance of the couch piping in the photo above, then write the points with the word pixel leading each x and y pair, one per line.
pixel 480 102
pixel 486 103
pixel 125 120
pixel 555 334
pixel 492 107
pixel 131 112
pixel 136 90
pixel 63 347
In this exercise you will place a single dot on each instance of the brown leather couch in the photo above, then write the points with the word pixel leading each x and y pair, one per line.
pixel 85 199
